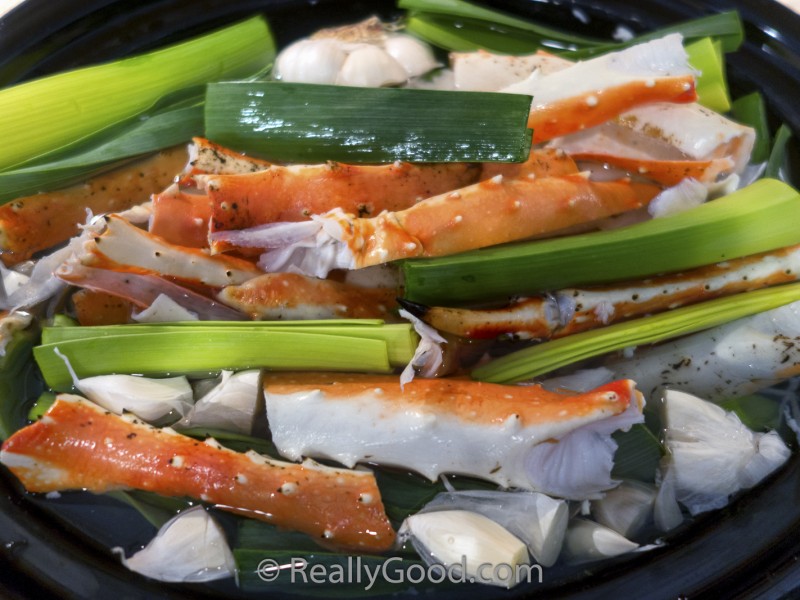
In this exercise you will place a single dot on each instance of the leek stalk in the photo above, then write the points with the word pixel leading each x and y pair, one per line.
pixel 158 350
pixel 154 133
pixel 400 339
pixel 754 219
pixel 51 113
pixel 314 123
pixel 545 357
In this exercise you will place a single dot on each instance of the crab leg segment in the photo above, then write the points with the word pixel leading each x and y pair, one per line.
pixel 287 296
pixel 431 426
pixel 181 218
pixel 124 244
pixel 34 223
pixel 491 212
pixel 143 288
pixel 592 92
pixel 78 445
pixel 206 157
pixel 573 310
pixel 294 193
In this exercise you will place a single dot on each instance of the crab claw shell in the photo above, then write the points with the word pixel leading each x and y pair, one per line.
pixel 78 445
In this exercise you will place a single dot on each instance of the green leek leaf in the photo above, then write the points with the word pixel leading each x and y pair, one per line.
pixel 314 123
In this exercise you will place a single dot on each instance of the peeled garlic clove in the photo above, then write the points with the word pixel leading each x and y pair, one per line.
pixel 587 540
pixel 148 399
pixel 191 547
pixel 537 519
pixel 311 61
pixel 369 66
pixel 415 56
pixel 458 537
pixel 626 509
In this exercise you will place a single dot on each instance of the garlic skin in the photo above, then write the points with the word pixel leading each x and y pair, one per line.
pixel 458 537
pixel 587 541
pixel 311 61
pixel 230 405
pixel 414 56
pixel 689 193
pixel 428 356
pixel 712 454
pixel 191 547
pixel 164 310
pixel 370 66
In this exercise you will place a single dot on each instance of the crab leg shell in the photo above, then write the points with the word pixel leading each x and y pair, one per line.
pixel 571 311
pixel 591 109
pixel 34 223
pixel 206 157
pixel 491 212
pixel 591 92
pixel 431 426
pixel 494 211
pixel 78 445
pixel 181 218
pixel 142 289
pixel 287 296
pixel 124 244
pixel 541 163
pixel 665 172
pixel 294 193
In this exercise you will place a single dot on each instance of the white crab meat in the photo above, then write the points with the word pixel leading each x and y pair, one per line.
pixel 504 434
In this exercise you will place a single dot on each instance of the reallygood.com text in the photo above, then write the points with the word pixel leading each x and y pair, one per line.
pixel 395 571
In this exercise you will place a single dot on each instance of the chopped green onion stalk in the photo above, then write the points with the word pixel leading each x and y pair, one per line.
pixel 314 123
pixel 760 217
pixel 470 36
pixel 545 357
pixel 706 56
pixel 751 111
pixel 777 156
pixel 50 113
pixel 158 350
